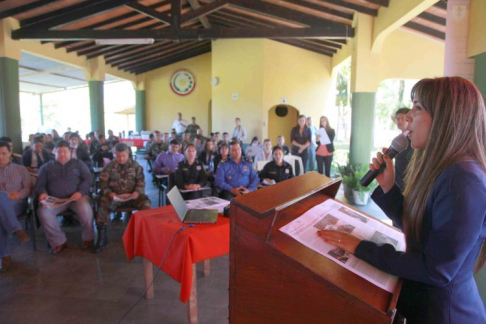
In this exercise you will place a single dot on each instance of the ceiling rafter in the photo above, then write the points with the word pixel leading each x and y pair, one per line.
pixel 25 8
pixel 352 6
pixel 141 54
pixel 282 13
pixel 432 18
pixel 327 10
pixel 185 56
pixel 426 30
pixel 149 12
pixel 203 11
pixel 71 14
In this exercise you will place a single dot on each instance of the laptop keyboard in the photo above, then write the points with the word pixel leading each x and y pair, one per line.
pixel 198 215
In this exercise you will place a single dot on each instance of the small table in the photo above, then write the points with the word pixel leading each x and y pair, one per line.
pixel 139 143
pixel 148 235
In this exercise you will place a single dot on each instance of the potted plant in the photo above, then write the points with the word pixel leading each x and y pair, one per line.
pixel 353 191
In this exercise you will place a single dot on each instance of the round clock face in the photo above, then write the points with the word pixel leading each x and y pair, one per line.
pixel 182 82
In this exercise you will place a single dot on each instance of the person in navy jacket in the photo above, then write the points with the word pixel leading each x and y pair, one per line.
pixel 442 211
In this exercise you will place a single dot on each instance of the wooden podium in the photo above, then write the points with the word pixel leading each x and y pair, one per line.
pixel 275 279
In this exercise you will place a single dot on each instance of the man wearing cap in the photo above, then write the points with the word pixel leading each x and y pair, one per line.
pixel 236 176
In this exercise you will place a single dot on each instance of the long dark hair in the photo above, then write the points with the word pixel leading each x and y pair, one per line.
pixel 457 133
pixel 328 128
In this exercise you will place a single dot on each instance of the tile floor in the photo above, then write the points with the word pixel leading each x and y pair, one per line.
pixel 80 287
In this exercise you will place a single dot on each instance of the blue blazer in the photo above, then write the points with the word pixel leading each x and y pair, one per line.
pixel 438 285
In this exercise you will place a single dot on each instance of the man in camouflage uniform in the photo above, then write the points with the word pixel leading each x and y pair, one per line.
pixel 157 146
pixel 122 184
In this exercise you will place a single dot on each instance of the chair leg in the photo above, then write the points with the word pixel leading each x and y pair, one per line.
pixel 32 225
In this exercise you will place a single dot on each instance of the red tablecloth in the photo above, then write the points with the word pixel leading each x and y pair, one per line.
pixel 148 234
pixel 136 142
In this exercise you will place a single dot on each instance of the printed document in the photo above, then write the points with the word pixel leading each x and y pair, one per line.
pixel 336 216
pixel 53 202
pixel 208 203
pixel 324 137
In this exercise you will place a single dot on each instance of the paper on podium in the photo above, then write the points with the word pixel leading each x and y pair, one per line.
pixel 334 215
pixel 324 137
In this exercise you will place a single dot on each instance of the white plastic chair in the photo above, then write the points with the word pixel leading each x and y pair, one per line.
pixel 293 160
pixel 260 165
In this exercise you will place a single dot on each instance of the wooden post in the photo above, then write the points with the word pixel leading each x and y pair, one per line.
pixel 148 274
pixel 192 302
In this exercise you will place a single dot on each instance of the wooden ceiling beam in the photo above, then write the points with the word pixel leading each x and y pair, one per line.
pixel 281 13
pixel 244 18
pixel 149 12
pixel 426 30
pixel 382 3
pixel 203 11
pixel 175 15
pixel 336 31
pixel 174 50
pixel 80 47
pixel 68 15
pixel 21 9
pixel 352 6
pixel 327 10
pixel 432 18
pixel 203 19
pixel 163 46
pixel 165 56
pixel 442 4
pixel 185 56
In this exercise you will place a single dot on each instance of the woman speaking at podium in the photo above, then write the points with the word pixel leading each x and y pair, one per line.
pixel 442 211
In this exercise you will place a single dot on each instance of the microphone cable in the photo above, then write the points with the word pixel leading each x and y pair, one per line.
pixel 158 271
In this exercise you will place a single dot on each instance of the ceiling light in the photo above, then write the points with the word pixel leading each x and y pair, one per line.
pixel 124 41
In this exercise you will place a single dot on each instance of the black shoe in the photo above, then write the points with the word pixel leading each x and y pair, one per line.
pixel 102 239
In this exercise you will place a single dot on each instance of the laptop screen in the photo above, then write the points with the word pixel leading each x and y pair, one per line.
pixel 177 202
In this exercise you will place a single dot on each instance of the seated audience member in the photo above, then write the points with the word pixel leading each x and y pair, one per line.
pixel 199 144
pixel 14 158
pixel 65 178
pixel 236 176
pixel 147 144
pixel 65 136
pixel 225 139
pixel 276 170
pixel 281 143
pixel 14 179
pixel 9 224
pixel 190 175
pixel 111 137
pixel 103 151
pixel 207 156
pixel 186 141
pixel 55 137
pixel 173 136
pixel 156 147
pixel 253 149
pixel 122 184
pixel 93 143
pixel 216 137
pixel 34 158
pixel 49 147
pixel 266 153
pixel 167 162
pixel 223 156
pixel 79 151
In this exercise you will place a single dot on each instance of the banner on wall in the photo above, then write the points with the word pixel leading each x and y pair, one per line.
pixel 182 82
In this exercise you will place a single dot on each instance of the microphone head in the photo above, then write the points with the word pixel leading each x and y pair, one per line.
pixel 399 143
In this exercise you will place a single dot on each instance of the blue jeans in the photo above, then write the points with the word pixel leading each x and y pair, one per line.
pixel 312 157
pixel 8 223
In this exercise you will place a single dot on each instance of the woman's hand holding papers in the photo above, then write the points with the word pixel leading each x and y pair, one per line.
pixel 340 239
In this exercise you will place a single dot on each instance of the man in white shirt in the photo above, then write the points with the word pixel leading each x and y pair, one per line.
pixel 180 125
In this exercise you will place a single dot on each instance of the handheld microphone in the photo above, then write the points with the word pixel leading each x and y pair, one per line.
pixel 398 144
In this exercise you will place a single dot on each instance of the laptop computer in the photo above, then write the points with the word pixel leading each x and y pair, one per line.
pixel 191 216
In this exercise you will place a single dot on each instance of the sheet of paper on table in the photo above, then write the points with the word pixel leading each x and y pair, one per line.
pixel 208 203
pixel 334 215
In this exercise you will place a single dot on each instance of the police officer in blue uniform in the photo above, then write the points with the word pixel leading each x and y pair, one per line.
pixel 277 169
pixel 190 175
pixel 236 176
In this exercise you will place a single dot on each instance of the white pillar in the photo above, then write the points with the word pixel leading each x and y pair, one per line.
pixel 456 61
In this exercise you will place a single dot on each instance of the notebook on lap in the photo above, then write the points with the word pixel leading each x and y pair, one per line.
pixel 191 216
